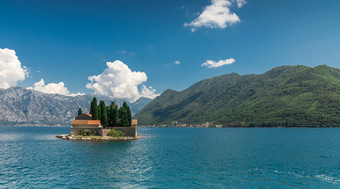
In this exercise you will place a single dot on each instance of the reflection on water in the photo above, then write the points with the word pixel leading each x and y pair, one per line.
pixel 8 137
pixel 172 158
pixel 25 137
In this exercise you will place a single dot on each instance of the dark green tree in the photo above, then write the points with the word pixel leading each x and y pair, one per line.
pixel 99 111
pixel 123 117
pixel 128 113
pixel 113 114
pixel 113 104
pixel 125 105
pixel 108 113
pixel 103 113
pixel 94 109
pixel 80 112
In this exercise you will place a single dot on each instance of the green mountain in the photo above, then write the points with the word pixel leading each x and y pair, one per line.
pixel 284 96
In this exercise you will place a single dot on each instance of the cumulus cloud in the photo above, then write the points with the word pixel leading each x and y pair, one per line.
pixel 177 62
pixel 214 64
pixel 216 15
pixel 240 3
pixel 148 92
pixel 118 81
pixel 11 70
pixel 52 88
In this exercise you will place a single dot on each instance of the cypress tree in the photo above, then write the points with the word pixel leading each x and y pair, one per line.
pixel 108 114
pixel 128 113
pixel 103 113
pixel 123 117
pixel 80 112
pixel 99 111
pixel 115 116
pixel 94 109
pixel 125 105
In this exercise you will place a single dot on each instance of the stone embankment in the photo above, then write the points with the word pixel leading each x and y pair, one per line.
pixel 96 138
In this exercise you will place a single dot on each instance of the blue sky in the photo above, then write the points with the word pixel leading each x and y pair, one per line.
pixel 68 41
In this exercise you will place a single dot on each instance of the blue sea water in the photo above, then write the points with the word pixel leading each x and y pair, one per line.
pixel 173 158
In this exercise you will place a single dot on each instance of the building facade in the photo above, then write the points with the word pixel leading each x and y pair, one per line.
pixel 84 122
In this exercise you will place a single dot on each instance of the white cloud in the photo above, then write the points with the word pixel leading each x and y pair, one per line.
pixel 177 62
pixel 11 70
pixel 214 64
pixel 216 15
pixel 118 81
pixel 149 92
pixel 52 88
pixel 240 3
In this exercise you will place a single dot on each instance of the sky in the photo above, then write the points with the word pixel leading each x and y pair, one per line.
pixel 132 49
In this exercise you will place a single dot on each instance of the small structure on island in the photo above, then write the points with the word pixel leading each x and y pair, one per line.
pixel 84 123
pixel 103 123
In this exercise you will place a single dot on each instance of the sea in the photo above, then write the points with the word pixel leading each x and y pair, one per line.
pixel 32 157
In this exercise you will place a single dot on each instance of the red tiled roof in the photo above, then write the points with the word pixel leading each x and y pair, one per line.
pixel 94 122
pixel 86 122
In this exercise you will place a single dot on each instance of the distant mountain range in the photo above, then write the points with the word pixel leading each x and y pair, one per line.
pixel 20 106
pixel 288 96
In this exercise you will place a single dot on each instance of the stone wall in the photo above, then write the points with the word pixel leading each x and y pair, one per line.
pixel 96 131
pixel 129 131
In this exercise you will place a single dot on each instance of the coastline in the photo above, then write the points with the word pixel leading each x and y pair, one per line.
pixel 144 126
pixel 163 126
pixel 95 138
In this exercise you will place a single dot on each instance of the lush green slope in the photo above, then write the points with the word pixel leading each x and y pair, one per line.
pixel 283 96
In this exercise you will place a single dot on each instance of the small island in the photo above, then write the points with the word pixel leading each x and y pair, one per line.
pixel 103 123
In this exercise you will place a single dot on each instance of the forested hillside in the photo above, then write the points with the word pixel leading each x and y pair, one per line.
pixel 284 96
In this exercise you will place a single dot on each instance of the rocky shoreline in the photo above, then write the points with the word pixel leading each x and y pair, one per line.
pixel 95 138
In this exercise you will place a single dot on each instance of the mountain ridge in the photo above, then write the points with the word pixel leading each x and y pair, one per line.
pixel 21 106
pixel 253 100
